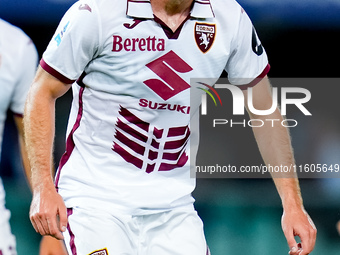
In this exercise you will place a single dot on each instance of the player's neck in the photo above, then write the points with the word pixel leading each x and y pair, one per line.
pixel 172 12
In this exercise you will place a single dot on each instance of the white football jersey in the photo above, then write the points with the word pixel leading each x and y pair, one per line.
pixel 131 120
pixel 18 63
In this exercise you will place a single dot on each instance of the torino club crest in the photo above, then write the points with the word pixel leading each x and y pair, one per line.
pixel 204 35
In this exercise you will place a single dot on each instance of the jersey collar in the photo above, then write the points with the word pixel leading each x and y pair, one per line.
pixel 142 9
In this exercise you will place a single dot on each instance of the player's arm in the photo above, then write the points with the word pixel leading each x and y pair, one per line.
pixel 27 61
pixel 275 147
pixel 48 212
pixel 52 246
pixel 48 244
pixel 19 122
pixel 21 137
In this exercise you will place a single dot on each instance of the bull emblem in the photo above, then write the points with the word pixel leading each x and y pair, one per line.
pixel 204 35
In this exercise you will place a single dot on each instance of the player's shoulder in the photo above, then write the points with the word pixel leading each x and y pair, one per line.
pixel 13 35
pixel 89 10
pixel 229 5
pixel 101 5
pixel 11 31
pixel 228 11
pixel 106 11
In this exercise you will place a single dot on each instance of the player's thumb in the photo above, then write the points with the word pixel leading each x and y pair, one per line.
pixel 62 218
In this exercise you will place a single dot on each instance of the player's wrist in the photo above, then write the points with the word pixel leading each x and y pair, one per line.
pixel 41 182
pixel 292 204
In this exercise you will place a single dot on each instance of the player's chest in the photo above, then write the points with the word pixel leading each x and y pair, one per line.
pixel 195 47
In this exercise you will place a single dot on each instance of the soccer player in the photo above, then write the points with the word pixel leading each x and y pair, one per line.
pixel 18 63
pixel 123 185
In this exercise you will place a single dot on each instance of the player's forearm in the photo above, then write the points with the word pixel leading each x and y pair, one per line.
pixel 275 146
pixel 25 161
pixel 23 151
pixel 289 191
pixel 39 130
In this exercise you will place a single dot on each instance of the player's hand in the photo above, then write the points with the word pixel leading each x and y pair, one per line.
pixel 338 227
pixel 296 222
pixel 51 246
pixel 48 212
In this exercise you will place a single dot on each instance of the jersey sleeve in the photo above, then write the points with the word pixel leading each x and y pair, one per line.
pixel 27 62
pixel 248 59
pixel 74 44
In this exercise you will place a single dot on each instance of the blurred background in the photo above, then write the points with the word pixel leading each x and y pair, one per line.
pixel 241 216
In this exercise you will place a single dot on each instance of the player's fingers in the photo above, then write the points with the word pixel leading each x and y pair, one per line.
pixel 38 216
pixel 293 248
pixel 313 233
pixel 306 244
pixel 53 228
pixel 34 224
pixel 305 249
pixel 308 237
pixel 299 248
pixel 39 224
pixel 312 240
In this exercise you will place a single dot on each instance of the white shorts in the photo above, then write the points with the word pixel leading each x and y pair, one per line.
pixel 175 232
pixel 7 240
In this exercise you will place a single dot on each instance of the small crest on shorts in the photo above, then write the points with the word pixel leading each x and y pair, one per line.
pixel 100 252
pixel 204 35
